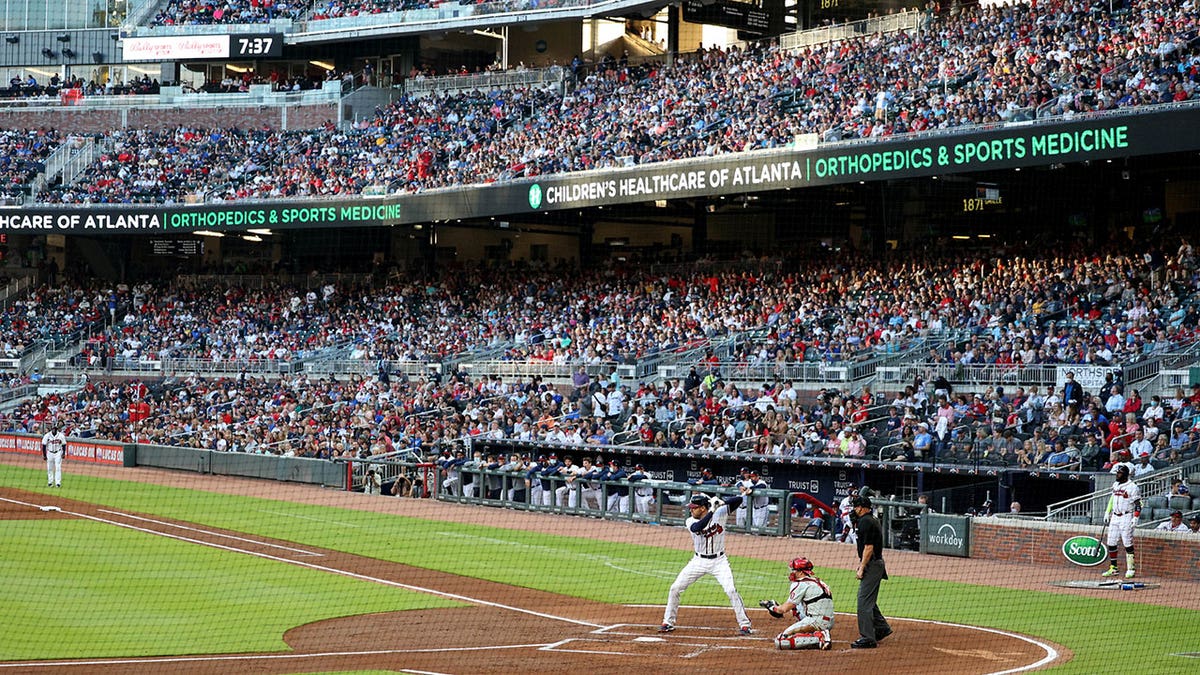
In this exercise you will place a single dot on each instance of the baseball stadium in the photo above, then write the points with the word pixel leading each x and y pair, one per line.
pixel 524 336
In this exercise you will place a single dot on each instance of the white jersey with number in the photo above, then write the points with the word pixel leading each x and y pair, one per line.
pixel 711 540
pixel 1125 497
pixel 55 442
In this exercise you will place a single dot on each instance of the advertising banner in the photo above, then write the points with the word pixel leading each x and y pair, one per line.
pixel 1165 129
pixel 943 534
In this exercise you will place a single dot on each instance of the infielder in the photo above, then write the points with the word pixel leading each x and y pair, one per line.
pixel 707 527
pixel 54 448
pixel 811 603
pixel 1124 509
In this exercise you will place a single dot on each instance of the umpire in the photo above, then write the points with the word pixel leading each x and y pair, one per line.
pixel 872 626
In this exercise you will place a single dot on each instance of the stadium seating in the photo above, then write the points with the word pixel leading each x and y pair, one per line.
pixel 753 98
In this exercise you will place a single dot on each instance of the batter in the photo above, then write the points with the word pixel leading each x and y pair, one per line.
pixel 707 527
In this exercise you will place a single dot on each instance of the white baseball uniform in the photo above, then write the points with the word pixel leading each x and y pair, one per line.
pixel 813 612
pixel 55 445
pixel 708 540
pixel 759 503
pixel 567 494
pixel 1126 500
pixel 739 515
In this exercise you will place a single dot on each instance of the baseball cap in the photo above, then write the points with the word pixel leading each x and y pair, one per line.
pixel 754 472
pixel 639 467
pixel 744 470
pixel 1177 513
pixel 864 502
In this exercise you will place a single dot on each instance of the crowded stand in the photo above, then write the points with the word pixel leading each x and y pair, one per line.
pixel 204 12
pixel 978 66
pixel 1095 302
pixel 22 156
pixel 59 315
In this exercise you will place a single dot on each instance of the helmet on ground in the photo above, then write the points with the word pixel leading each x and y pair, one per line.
pixel 699 500
pixel 799 566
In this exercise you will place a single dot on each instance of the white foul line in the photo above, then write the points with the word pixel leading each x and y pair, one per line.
pixel 331 570
pixel 213 534
pixel 254 657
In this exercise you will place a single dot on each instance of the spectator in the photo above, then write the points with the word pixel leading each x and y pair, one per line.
pixel 1174 523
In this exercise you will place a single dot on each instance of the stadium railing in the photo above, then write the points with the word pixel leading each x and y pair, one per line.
pixel 890 23
pixel 665 505
pixel 1090 508
pixel 508 79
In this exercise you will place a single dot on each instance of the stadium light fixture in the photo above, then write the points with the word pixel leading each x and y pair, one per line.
pixel 252 237
pixel 208 233
pixel 264 231
pixel 322 64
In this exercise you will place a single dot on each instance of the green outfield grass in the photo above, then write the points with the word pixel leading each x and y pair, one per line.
pixel 227 602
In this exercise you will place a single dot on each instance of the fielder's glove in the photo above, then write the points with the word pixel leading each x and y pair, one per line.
pixel 770 606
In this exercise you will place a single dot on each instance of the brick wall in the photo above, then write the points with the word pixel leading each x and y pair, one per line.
pixel 93 120
pixel 1159 554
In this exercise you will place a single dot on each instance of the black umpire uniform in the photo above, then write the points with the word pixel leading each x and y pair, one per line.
pixel 872 626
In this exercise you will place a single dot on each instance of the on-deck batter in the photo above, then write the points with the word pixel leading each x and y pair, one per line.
pixel 1124 509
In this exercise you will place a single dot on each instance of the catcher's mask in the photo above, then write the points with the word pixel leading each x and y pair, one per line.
pixel 800 567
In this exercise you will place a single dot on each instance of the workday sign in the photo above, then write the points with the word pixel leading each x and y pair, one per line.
pixel 1084 551
pixel 946 535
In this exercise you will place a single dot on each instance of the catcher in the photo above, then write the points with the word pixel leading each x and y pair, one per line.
pixel 810 601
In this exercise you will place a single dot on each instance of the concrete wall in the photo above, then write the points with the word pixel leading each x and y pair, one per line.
pixel 1159 554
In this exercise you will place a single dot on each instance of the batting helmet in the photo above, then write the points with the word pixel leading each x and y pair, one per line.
pixel 699 500
pixel 799 566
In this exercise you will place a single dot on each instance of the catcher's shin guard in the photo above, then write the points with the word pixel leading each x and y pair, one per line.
pixel 817 640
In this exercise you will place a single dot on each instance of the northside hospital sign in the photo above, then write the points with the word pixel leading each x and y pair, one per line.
pixel 1160 131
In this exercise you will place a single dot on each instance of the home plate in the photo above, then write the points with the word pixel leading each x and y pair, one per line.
pixel 649 639
pixel 49 508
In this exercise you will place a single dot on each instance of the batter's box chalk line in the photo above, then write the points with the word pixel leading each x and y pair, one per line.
pixel 640 630
pixel 637 646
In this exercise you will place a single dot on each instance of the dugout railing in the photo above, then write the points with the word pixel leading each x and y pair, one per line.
pixel 648 501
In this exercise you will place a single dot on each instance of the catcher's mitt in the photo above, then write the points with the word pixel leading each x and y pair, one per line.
pixel 770 606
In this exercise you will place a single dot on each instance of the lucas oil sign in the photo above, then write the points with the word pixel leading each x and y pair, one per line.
pixel 1084 551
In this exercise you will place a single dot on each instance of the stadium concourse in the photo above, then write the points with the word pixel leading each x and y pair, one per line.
pixel 1012 311
pixel 978 66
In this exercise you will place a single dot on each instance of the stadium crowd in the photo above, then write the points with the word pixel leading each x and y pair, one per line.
pixel 1111 308
pixel 203 12
pixel 979 66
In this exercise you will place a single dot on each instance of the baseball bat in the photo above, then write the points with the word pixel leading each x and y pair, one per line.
pixel 1109 583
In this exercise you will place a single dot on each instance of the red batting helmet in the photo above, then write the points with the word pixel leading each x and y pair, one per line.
pixel 800 566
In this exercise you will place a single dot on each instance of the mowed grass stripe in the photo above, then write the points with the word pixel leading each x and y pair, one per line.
pixel 79 588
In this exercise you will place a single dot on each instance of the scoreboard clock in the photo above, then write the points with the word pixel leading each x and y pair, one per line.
pixel 203 47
